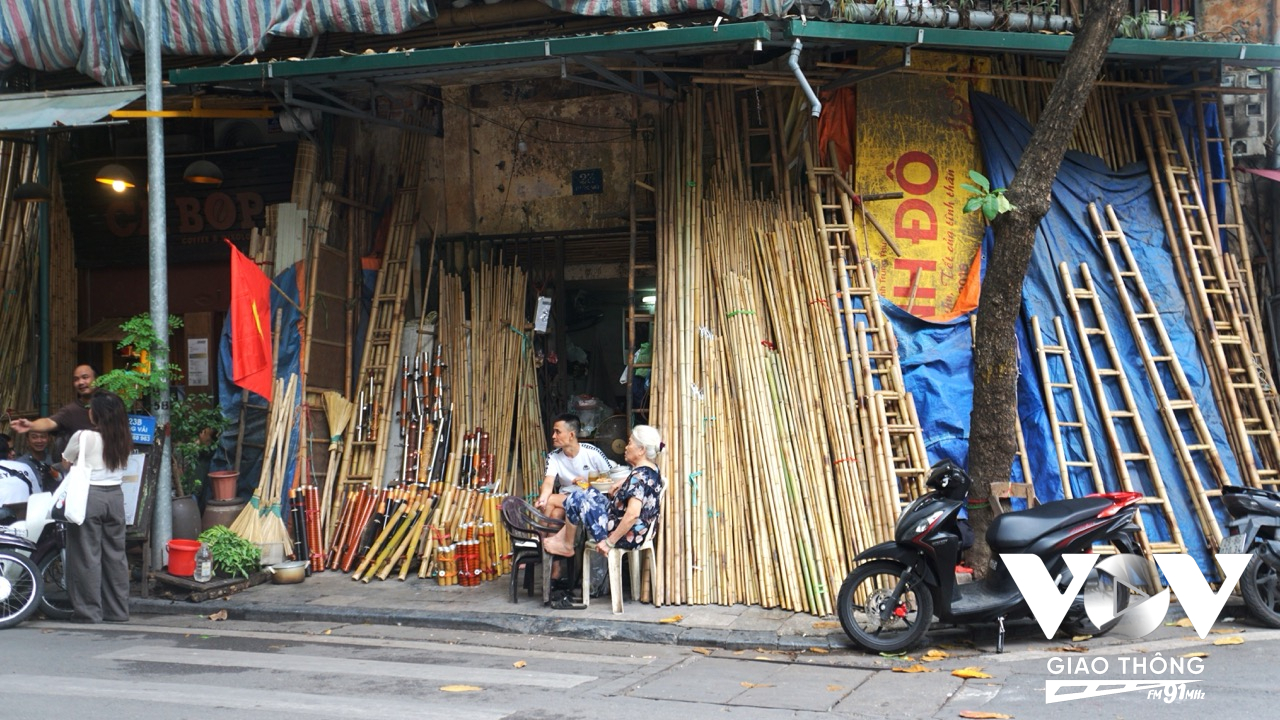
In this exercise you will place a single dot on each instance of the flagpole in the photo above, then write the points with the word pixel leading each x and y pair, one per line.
pixel 162 519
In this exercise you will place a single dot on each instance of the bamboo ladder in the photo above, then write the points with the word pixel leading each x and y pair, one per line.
pixel 1173 397
pixel 1126 433
pixel 1227 223
pixel 362 460
pixel 1237 385
pixel 888 416
pixel 1057 425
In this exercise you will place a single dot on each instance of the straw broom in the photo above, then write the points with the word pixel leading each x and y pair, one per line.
pixel 337 411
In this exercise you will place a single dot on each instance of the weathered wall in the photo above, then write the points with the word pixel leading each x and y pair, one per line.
pixel 1238 20
pixel 511 152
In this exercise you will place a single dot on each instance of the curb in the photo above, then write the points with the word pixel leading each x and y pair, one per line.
pixel 509 623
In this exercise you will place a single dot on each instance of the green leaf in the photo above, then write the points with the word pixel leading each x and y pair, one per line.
pixel 972 204
pixel 1002 204
pixel 990 207
pixel 980 180
pixel 972 189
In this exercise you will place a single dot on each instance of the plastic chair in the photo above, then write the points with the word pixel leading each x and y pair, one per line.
pixel 526 526
pixel 638 556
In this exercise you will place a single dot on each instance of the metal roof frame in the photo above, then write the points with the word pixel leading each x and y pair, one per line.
pixel 439 63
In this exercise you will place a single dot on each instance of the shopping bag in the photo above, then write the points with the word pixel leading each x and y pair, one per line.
pixel 71 499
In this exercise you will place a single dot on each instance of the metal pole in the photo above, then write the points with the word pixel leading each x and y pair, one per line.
pixel 162 520
pixel 42 275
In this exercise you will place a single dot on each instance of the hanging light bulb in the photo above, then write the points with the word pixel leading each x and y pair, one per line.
pixel 117 176
pixel 203 172
pixel 32 192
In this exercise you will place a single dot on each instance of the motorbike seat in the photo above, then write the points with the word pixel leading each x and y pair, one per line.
pixel 1015 531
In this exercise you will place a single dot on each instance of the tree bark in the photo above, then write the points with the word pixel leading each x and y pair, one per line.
pixel 992 444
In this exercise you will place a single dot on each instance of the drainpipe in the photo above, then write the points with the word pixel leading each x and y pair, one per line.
pixel 793 62
pixel 162 518
pixel 1272 143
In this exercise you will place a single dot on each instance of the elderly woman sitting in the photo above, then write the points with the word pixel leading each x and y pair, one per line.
pixel 627 516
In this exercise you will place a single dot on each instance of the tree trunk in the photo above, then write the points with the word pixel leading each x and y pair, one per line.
pixel 992 443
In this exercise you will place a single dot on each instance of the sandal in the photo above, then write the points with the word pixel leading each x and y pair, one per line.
pixel 566 603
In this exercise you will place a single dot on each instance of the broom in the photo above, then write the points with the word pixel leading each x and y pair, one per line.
pixel 337 410
pixel 246 524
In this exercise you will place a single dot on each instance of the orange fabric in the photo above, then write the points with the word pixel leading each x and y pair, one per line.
pixel 837 125
pixel 970 292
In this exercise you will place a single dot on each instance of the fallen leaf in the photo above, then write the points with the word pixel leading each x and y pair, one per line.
pixel 1184 622
pixel 1233 640
pixel 835 688
pixel 519 664
pixel 220 615
pixel 1070 648
pixel 760 657
pixel 750 685
pixel 895 656
pixel 917 668
pixel 672 619
pixel 970 672
pixel 934 655
pixel 328 631
pixel 460 688
pixel 1080 638
pixel 1198 653
pixel 984 715
pixel 820 651
pixel 826 625
pixel 702 650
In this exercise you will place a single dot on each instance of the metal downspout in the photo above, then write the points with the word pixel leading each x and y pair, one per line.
pixel 42 275
pixel 162 519
pixel 1272 143
pixel 793 62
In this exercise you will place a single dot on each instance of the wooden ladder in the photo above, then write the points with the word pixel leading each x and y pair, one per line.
pixel 895 459
pixel 1174 398
pixel 1058 426
pixel 363 459
pixel 1126 433
pixel 1228 224
pixel 1237 385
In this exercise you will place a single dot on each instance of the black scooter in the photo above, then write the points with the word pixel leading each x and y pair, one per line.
pixel 1256 529
pixel 887 602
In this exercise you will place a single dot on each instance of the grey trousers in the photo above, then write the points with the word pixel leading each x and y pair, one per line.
pixel 97 569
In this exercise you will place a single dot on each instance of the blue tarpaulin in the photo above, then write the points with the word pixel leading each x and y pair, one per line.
pixel 936 358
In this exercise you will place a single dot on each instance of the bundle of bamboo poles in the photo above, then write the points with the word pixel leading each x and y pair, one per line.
pixel 488 368
pixel 18 257
pixel 764 383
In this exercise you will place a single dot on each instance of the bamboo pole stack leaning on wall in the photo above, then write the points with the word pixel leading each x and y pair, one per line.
pixel 753 388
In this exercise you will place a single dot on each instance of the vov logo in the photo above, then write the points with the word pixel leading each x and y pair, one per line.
pixel 1114 604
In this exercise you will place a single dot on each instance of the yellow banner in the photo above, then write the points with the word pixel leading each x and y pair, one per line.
pixel 916 137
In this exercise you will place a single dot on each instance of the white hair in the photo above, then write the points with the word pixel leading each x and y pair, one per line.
pixel 649 438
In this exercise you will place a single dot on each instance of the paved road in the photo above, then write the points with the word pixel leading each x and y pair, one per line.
pixel 167 667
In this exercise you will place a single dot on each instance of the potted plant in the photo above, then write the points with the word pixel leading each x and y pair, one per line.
pixel 233 556
pixel 196 421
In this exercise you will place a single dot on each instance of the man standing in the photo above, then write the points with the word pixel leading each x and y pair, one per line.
pixel 571 461
pixel 71 417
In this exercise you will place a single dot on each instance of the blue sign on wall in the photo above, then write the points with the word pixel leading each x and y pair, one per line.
pixel 143 428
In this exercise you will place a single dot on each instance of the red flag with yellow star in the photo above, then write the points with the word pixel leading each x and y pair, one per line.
pixel 250 325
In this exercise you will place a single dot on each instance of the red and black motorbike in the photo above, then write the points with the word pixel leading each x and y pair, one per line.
pixel 889 600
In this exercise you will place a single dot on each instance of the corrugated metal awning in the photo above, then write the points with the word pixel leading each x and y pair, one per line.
pixel 66 108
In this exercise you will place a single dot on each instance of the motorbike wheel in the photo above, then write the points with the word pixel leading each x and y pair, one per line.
pixel 20 588
pixel 55 601
pixel 873 619
pixel 1077 621
pixel 1260 587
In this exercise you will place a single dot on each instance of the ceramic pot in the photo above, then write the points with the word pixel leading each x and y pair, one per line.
pixel 222 512
pixel 222 484
pixel 186 518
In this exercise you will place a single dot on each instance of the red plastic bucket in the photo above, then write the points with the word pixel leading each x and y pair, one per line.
pixel 182 557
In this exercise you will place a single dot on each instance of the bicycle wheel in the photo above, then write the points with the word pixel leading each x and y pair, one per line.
pixel 55 601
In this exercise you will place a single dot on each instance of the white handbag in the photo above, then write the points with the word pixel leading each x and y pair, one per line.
pixel 71 499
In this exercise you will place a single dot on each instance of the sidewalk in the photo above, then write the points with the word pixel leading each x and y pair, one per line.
pixel 334 597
